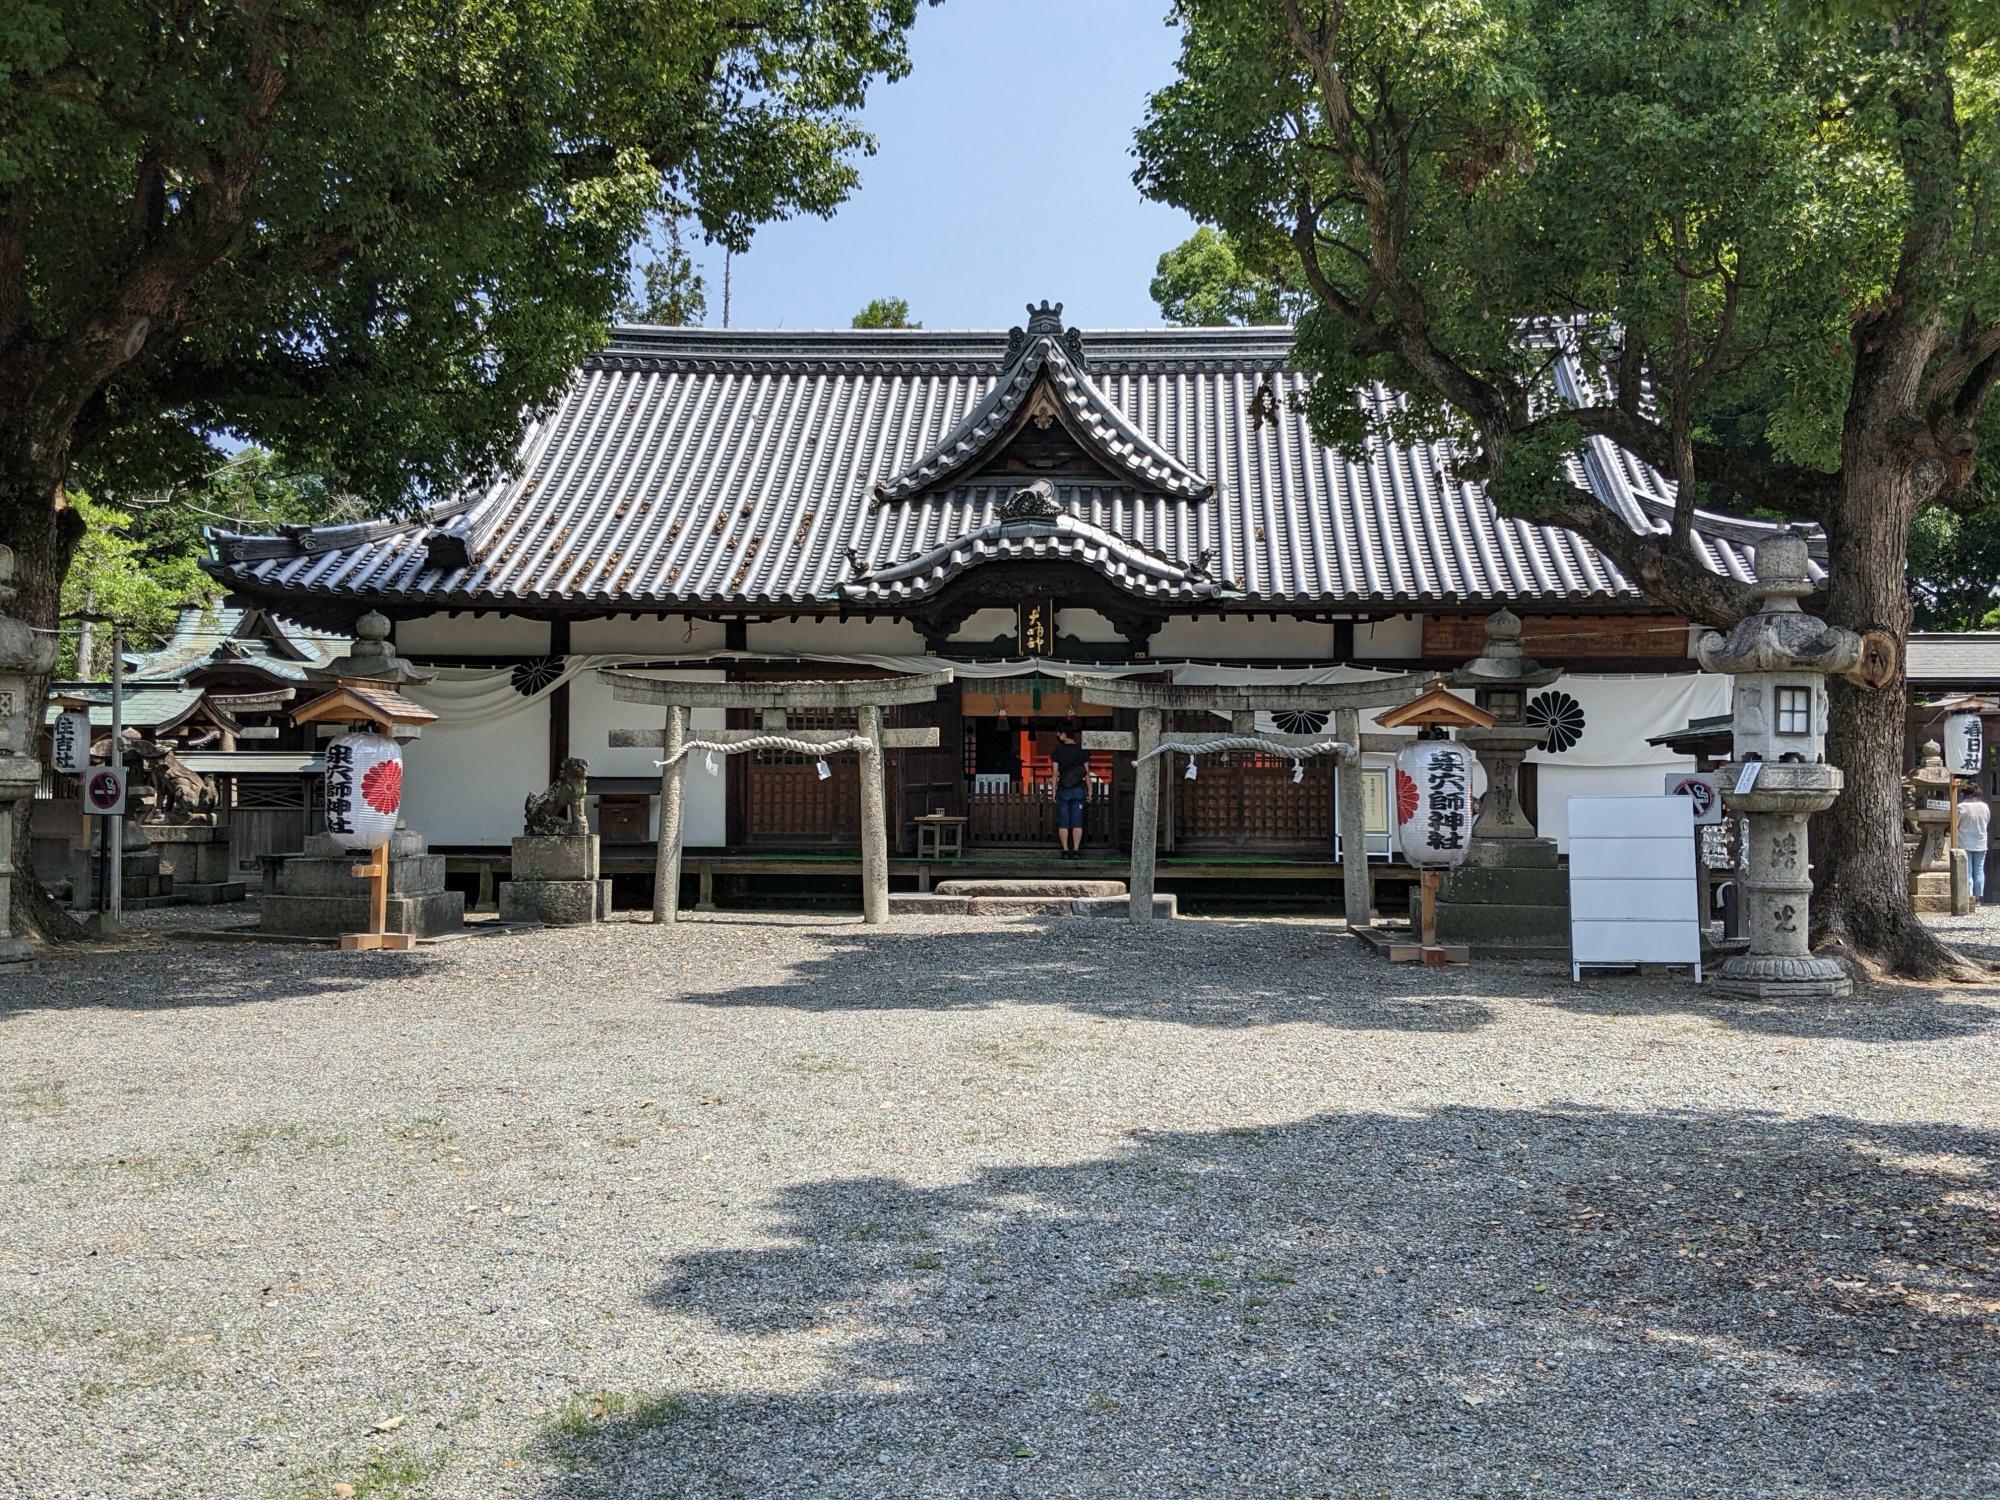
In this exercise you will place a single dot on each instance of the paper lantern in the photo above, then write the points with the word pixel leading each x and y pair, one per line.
pixel 70 737
pixel 364 789
pixel 1434 791
pixel 1964 744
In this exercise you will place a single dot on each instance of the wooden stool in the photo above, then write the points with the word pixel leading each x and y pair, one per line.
pixel 940 836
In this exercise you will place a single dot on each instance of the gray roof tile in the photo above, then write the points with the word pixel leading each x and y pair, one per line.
pixel 716 467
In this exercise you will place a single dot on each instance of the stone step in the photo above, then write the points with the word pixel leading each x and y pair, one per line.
pixel 941 904
pixel 1037 889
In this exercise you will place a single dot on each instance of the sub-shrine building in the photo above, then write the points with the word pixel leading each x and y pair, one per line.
pixel 724 505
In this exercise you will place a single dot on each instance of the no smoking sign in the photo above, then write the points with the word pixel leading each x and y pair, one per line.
pixel 104 792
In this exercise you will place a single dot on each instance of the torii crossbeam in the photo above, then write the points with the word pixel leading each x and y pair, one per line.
pixel 1240 702
pixel 866 696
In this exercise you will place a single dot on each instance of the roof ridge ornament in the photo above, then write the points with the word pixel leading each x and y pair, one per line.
pixel 1032 502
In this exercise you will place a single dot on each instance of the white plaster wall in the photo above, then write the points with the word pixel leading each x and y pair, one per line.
pixel 1555 785
pixel 983 625
pixel 464 784
pixel 1085 625
pixel 888 637
pixel 1237 637
pixel 473 635
pixel 1402 636
pixel 645 636
pixel 592 716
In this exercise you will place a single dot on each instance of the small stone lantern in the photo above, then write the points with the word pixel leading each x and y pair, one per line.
pixel 1510 897
pixel 1933 882
pixel 1780 658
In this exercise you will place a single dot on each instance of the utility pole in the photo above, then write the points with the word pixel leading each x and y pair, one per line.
pixel 86 637
pixel 116 828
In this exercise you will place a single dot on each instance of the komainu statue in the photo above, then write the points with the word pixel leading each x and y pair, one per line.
pixel 179 795
pixel 560 809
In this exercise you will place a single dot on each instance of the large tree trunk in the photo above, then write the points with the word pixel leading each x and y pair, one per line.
pixel 1861 902
pixel 43 531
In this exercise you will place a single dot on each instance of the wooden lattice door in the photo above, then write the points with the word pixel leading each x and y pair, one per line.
pixel 1248 801
pixel 786 803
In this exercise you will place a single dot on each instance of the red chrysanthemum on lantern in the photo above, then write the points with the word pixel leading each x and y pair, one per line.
pixel 1406 797
pixel 382 787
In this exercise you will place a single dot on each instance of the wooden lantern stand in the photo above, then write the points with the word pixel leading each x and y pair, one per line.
pixel 366 703
pixel 376 871
pixel 1431 714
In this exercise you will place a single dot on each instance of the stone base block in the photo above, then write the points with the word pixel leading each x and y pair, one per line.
pixel 1746 978
pixel 1031 888
pixel 555 903
pixel 431 914
pixel 310 876
pixel 1931 891
pixel 403 844
pixel 1510 899
pixel 556 857
pixel 212 893
pixel 17 956
pixel 1166 906
pixel 193 853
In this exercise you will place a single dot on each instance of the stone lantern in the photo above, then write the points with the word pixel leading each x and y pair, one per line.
pixel 1509 897
pixel 1780 658
pixel 1933 881
pixel 24 656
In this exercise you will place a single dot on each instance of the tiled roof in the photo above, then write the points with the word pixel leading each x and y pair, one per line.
pixel 716 467
pixel 229 633
pixel 1971 658
pixel 154 708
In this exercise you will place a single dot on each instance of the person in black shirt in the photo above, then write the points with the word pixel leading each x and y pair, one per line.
pixel 1073 780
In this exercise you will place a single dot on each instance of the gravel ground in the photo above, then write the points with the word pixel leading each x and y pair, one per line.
pixel 984 1208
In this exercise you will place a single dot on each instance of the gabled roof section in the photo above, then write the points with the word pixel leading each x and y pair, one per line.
pixel 1031 523
pixel 1045 381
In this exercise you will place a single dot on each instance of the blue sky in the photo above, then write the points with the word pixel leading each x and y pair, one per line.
pixel 1004 174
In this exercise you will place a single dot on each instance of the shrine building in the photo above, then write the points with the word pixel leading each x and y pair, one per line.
pixel 719 504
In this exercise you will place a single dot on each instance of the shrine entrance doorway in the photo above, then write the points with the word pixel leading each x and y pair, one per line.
pixel 1009 740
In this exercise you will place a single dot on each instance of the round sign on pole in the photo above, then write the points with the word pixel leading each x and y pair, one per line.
pixel 1703 790
pixel 364 789
pixel 104 792
pixel 1964 744
pixel 1434 788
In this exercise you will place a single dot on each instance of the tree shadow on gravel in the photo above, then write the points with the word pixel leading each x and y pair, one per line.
pixel 1467 1302
pixel 1239 974
pixel 174 975
pixel 1879 1012
pixel 1210 973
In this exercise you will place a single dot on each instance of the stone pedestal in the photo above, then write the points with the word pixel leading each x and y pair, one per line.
pixel 319 895
pixel 1510 898
pixel 1778 886
pixel 555 881
pixel 142 882
pixel 195 856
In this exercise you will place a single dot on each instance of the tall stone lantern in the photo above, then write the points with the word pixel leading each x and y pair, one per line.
pixel 24 655
pixel 1780 658
pixel 1509 898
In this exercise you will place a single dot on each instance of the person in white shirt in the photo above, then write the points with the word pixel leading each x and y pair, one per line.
pixel 1975 819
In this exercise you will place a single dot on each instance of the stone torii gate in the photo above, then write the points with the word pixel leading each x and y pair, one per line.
pixel 866 696
pixel 1240 702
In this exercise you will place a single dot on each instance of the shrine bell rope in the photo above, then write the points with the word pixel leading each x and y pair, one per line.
pixel 821 748
pixel 1222 744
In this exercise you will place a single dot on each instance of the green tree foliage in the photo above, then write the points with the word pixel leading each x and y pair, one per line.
pixel 1209 280
pixel 885 312
pixel 139 562
pixel 368 234
pixel 1767 231
pixel 672 293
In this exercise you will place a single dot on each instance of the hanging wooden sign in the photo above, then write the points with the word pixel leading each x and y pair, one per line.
pixel 1035 627
pixel 1434 801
